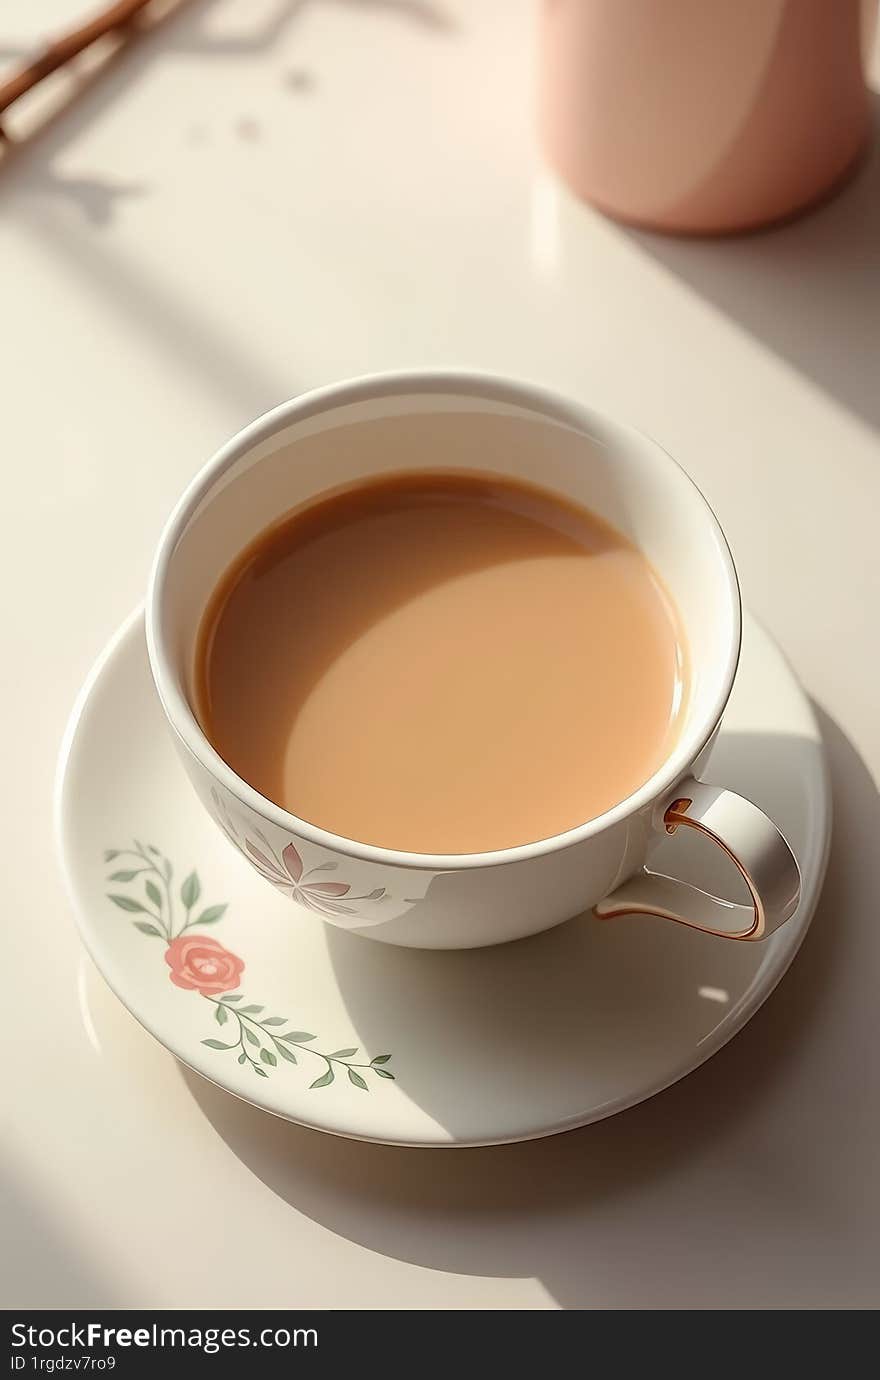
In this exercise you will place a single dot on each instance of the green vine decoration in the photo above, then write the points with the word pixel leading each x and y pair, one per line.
pixel 199 963
pixel 258 1045
pixel 158 900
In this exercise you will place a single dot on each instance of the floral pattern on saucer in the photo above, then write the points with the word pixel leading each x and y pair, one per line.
pixel 199 963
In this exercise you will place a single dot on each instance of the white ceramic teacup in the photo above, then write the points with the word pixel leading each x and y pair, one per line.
pixel 458 420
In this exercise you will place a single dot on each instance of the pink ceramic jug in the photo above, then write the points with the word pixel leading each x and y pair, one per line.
pixel 703 116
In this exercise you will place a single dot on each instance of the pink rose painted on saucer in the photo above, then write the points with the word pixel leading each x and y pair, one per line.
pixel 200 964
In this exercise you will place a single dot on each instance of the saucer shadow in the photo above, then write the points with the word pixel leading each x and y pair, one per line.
pixel 751 1182
pixel 580 1014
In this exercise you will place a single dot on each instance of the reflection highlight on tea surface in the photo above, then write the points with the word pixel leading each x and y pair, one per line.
pixel 442 663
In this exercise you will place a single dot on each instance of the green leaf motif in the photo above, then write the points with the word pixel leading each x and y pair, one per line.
pixel 191 890
pixel 125 903
pixel 211 915
pixel 253 1034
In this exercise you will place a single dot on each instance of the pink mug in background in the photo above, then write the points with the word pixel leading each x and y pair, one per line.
pixel 704 116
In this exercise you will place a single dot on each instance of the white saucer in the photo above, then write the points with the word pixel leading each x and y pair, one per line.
pixel 450 1048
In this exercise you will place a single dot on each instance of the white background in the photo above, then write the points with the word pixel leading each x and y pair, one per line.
pixel 263 195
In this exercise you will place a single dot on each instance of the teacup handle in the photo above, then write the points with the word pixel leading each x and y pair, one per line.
pixel 754 845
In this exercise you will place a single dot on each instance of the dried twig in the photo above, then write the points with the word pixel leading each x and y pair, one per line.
pixel 56 54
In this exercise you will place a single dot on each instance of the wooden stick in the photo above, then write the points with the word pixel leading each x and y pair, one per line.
pixel 56 54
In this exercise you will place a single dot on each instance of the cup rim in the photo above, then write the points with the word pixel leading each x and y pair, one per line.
pixel 543 401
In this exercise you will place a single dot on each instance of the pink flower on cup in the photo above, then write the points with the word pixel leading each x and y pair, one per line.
pixel 288 876
pixel 288 873
pixel 200 964
pixel 323 897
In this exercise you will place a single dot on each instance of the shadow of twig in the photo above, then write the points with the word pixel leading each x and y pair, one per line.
pixel 28 160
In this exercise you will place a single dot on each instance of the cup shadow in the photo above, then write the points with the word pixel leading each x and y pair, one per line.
pixel 580 1013
pixel 810 289
pixel 718 1189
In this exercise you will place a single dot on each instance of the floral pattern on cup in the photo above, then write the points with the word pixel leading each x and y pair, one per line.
pixel 199 963
pixel 286 871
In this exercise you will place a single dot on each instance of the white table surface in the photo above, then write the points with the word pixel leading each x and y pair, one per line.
pixel 261 196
